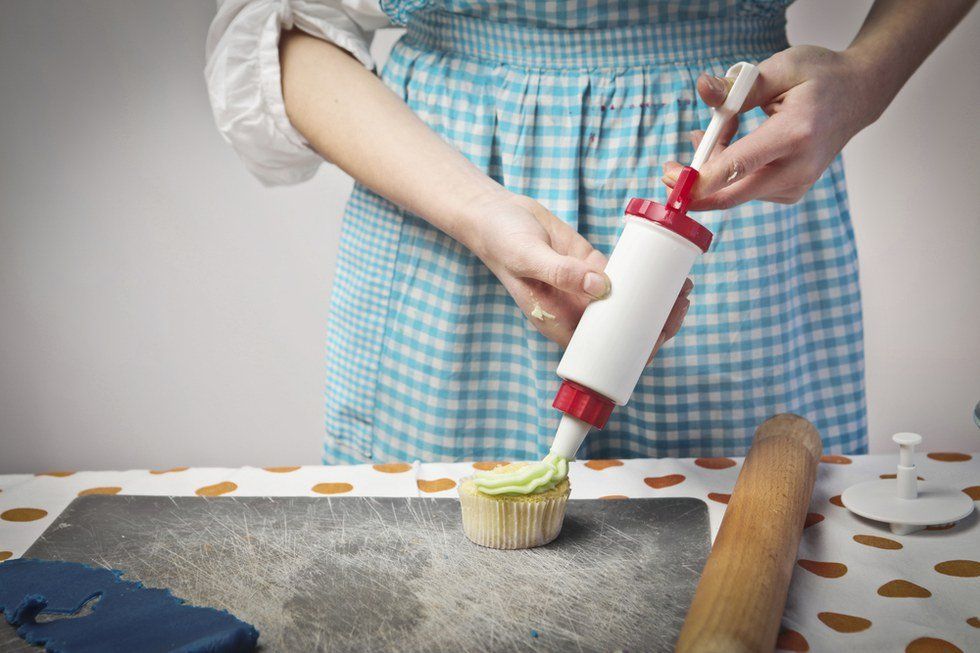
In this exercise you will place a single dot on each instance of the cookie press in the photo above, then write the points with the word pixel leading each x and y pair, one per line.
pixel 653 256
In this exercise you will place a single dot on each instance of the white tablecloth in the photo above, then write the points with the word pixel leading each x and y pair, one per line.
pixel 856 585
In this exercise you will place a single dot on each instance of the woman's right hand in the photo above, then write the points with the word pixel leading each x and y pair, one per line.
pixel 550 270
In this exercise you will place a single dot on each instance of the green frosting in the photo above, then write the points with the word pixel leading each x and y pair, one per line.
pixel 530 479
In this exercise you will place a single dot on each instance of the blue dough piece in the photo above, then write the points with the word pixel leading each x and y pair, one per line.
pixel 128 617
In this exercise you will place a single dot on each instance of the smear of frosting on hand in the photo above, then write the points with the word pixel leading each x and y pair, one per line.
pixel 540 314
pixel 736 171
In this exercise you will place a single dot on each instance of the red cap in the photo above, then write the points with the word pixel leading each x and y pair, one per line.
pixel 585 404
pixel 674 215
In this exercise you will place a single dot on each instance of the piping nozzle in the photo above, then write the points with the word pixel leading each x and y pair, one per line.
pixel 569 436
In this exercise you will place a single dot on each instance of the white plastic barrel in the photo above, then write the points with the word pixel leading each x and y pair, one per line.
pixel 613 341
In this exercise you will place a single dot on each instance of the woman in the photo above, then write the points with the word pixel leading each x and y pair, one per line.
pixel 493 160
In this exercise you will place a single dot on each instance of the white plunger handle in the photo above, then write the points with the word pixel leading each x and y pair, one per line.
pixel 744 75
pixel 905 478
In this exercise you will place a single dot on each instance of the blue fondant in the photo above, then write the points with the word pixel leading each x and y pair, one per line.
pixel 127 617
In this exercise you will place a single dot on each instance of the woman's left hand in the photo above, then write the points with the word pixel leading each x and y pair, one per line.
pixel 816 100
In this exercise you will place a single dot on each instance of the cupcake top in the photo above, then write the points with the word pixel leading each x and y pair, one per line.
pixel 523 478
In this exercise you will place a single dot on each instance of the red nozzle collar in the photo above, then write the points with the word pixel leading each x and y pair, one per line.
pixel 584 403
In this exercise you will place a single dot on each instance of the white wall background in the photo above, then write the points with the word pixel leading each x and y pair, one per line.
pixel 158 307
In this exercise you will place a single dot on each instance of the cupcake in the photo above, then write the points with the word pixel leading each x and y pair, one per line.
pixel 516 506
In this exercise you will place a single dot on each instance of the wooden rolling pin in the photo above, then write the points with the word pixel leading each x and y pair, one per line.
pixel 740 599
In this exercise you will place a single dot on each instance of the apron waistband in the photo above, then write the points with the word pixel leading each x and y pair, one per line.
pixel 629 46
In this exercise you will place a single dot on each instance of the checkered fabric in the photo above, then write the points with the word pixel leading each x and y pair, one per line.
pixel 428 356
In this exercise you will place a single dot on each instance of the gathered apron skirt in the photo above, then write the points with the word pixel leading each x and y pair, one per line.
pixel 428 356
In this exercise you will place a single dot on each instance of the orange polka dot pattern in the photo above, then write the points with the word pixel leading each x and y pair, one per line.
pixel 216 490
pixel 169 471
pixel 949 457
pixel 932 645
pixel 877 542
pixel 600 465
pixel 332 488
pixel 825 569
pixel 844 623
pixel 438 485
pixel 851 582
pixel 487 465
pixel 23 514
pixel 715 463
pixel 100 490
pixel 660 482
pixel 959 568
pixel 392 468
pixel 903 589
pixel 791 640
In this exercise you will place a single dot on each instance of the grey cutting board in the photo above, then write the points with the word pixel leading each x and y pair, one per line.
pixel 396 574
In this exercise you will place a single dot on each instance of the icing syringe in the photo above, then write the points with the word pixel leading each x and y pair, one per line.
pixel 647 268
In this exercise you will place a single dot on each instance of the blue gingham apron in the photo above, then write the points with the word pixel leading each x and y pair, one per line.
pixel 428 356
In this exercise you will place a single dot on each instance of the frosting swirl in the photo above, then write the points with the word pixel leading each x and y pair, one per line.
pixel 533 478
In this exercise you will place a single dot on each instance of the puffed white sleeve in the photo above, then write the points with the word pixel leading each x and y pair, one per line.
pixel 244 81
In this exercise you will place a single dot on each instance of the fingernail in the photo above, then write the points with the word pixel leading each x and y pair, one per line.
pixel 717 84
pixel 596 285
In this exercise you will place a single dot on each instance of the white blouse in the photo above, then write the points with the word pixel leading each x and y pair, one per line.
pixel 244 81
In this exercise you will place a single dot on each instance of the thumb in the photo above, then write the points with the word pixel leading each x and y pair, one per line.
pixel 773 81
pixel 566 273
pixel 713 90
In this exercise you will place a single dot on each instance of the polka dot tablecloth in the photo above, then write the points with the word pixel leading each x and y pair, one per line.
pixel 856 586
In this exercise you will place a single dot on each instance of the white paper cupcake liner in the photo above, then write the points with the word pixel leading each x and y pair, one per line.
pixel 511 522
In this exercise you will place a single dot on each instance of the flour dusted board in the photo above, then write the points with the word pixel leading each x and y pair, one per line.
pixel 396 574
